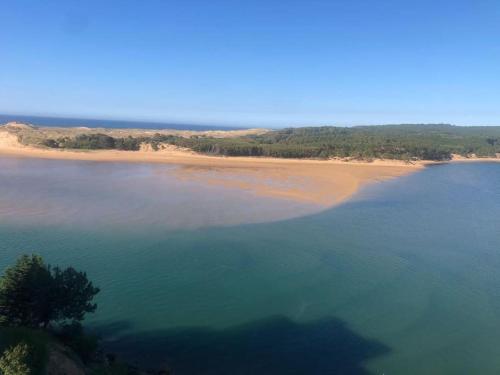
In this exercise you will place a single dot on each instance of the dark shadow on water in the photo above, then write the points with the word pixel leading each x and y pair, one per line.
pixel 275 345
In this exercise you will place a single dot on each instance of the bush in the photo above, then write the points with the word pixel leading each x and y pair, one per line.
pixel 16 361
pixel 38 343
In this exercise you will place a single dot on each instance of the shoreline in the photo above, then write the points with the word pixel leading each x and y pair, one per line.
pixel 321 182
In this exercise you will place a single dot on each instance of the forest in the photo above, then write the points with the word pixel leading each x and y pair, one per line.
pixel 402 142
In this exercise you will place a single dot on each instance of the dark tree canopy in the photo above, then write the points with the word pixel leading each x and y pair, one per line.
pixel 33 294
pixel 74 294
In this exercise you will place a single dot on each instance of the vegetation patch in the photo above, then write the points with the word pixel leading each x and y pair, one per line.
pixel 400 142
pixel 95 142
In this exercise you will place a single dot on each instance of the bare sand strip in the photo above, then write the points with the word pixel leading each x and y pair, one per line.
pixel 320 182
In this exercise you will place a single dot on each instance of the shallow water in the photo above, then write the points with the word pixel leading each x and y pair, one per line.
pixel 119 196
pixel 402 279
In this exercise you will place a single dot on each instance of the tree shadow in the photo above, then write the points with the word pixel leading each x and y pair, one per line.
pixel 275 345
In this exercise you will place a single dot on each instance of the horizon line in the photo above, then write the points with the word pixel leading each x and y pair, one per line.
pixel 223 124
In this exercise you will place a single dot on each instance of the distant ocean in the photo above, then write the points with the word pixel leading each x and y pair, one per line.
pixel 116 124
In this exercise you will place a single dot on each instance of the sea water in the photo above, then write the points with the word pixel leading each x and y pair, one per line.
pixel 403 278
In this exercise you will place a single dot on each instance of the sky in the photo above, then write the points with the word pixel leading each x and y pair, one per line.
pixel 259 63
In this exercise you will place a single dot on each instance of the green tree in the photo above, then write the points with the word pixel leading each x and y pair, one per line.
pixel 73 295
pixel 23 292
pixel 15 361
pixel 33 295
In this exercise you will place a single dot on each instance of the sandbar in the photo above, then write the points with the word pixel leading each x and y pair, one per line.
pixel 323 182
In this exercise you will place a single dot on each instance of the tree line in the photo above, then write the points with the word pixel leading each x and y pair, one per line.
pixel 402 142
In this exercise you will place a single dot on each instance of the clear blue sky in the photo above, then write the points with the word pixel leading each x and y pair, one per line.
pixel 269 62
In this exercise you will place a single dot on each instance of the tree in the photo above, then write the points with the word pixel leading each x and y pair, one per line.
pixel 32 294
pixel 23 292
pixel 15 361
pixel 73 294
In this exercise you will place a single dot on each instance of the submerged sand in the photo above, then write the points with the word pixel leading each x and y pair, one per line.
pixel 320 182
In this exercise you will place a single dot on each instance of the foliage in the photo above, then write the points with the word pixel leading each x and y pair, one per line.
pixel 402 142
pixel 95 142
pixel 73 294
pixel 33 295
pixel 23 293
pixel 37 341
pixel 128 144
pixel 16 361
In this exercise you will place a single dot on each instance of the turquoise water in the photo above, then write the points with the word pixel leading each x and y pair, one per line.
pixel 402 279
